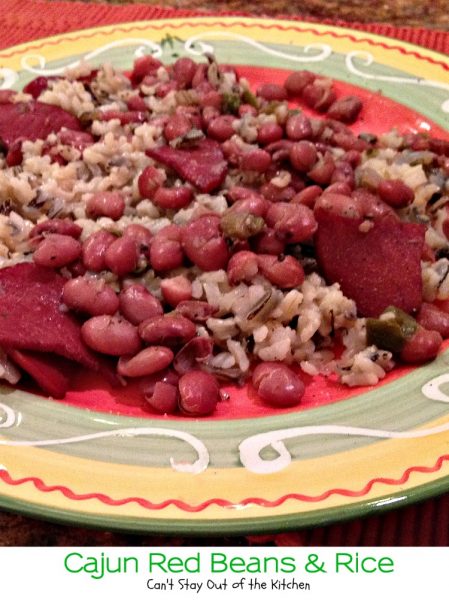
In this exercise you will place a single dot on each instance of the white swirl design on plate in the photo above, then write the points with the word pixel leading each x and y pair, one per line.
pixel 8 418
pixel 8 78
pixel 367 60
pixel 196 467
pixel 29 61
pixel 322 51
pixel 251 447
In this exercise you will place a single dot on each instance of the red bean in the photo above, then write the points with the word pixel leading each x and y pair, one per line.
pixel 344 173
pixel 141 235
pixel 149 181
pixel 285 272
pixel 35 87
pixel 242 266
pixel 106 204
pixel 164 398
pixel 136 103
pixel 323 170
pixel 345 109
pixel 6 96
pixel 339 204
pixel 204 243
pixel 61 226
pixel 198 350
pixel 433 318
pixel 232 151
pixel 57 250
pixel 303 156
pixel 94 250
pixel 77 268
pixel 176 289
pixel 196 310
pixel 308 196
pixel 166 251
pixel 294 223
pixel 268 242
pixel 199 393
pixel 111 335
pixel 255 160
pixel 340 187
pixel 297 81
pixel 90 295
pixel 272 91
pixel 79 140
pixel 269 133
pixel 177 126
pixel 192 113
pixel 254 205
pixel 209 114
pixel 247 109
pixel 184 69
pixel 146 362
pixel 299 127
pixel 279 150
pixel 395 193
pixel 143 66
pixel 221 128
pixel 319 94
pixel 322 147
pixel 371 205
pixel 164 88
pixel 125 117
pixel 273 193
pixel 353 157
pixel 421 347
pixel 239 192
pixel 173 198
pixel 167 330
pixel 121 256
pixel 137 304
pixel 148 383
pixel 210 98
pixel 439 146
pixel 14 156
pixel 277 384
pixel 200 75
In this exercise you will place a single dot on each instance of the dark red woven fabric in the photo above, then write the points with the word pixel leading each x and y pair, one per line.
pixel 425 524
pixel 23 21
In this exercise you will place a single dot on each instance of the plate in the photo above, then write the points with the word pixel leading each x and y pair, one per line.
pixel 101 460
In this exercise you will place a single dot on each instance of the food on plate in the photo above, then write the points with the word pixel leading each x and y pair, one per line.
pixel 174 228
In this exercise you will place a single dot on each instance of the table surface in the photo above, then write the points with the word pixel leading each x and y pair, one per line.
pixel 415 13
pixel 423 524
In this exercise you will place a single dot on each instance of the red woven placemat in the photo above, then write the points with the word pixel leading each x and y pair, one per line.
pixel 22 21
pixel 423 524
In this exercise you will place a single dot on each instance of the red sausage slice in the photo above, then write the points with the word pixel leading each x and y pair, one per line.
pixel 44 370
pixel 33 120
pixel 203 165
pixel 31 317
pixel 377 268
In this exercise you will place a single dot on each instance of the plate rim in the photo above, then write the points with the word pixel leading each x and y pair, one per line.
pixel 233 526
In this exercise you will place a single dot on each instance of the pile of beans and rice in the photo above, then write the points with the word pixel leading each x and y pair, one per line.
pixel 193 222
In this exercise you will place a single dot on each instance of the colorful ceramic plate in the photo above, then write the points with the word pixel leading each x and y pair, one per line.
pixel 101 460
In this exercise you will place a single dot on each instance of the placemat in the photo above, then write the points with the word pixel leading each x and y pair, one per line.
pixel 24 21
pixel 423 524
